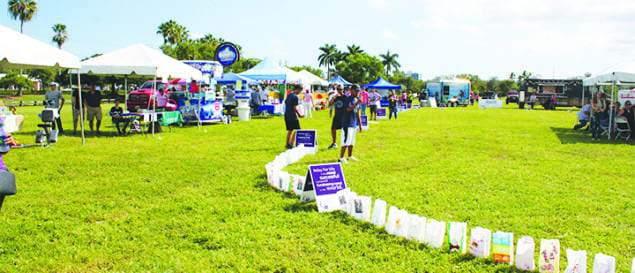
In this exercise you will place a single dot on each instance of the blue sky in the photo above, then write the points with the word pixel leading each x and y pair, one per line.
pixel 483 37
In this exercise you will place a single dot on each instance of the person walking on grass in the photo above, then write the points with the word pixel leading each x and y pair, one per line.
pixel 308 104
pixel 351 122
pixel 337 102
pixel 291 114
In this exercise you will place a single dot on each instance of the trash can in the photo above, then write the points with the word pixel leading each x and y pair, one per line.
pixel 243 113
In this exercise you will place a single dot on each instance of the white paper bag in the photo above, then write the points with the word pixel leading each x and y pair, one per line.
pixel 525 253
pixel 362 208
pixel 413 228
pixel 390 222
pixel 295 181
pixel 379 213
pixel 633 266
pixel 420 232
pixel 576 261
pixel 402 223
pixel 480 241
pixel 549 258
pixel 342 195
pixel 503 247
pixel 435 231
pixel 350 209
pixel 457 236
pixel 603 264
pixel 300 188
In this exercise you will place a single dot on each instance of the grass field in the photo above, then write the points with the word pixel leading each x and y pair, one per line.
pixel 198 200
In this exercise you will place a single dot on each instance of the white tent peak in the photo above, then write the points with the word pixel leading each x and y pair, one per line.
pixel 267 70
pixel 141 60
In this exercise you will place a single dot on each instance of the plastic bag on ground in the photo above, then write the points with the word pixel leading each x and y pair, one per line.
pixel 457 236
pixel 525 253
pixel 576 261
pixel 435 231
pixel 378 217
pixel 603 264
pixel 549 257
pixel 503 247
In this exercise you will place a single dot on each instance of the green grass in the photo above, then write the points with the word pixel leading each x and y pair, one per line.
pixel 198 200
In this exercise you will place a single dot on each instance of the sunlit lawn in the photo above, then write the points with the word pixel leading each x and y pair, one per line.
pixel 196 200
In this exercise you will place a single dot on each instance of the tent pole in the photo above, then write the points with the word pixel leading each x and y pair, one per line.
pixel 125 88
pixel 81 106
pixel 611 105
pixel 200 100
pixel 154 103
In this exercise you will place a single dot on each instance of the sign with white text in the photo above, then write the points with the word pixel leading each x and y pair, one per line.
pixel 364 123
pixel 308 138
pixel 381 113
pixel 322 184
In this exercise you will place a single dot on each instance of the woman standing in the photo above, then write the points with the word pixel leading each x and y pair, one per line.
pixel 308 104
pixel 598 107
pixel 392 105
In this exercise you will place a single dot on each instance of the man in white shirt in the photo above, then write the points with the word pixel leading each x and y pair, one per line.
pixel 583 116
pixel 52 99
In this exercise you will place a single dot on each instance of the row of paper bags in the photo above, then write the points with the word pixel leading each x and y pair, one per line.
pixel 433 233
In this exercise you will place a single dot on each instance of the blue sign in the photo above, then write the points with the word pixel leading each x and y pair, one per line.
pixel 211 110
pixel 214 69
pixel 381 113
pixel 306 137
pixel 227 54
pixel 322 184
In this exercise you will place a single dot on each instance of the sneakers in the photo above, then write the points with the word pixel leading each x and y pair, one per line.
pixel 353 159
pixel 288 146
pixel 342 160
pixel 333 146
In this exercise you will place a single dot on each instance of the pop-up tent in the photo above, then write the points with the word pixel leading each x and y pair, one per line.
pixel 620 74
pixel 231 78
pixel 312 79
pixel 269 72
pixel 339 80
pixel 381 84
pixel 139 59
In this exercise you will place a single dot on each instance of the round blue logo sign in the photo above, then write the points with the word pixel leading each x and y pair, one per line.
pixel 227 54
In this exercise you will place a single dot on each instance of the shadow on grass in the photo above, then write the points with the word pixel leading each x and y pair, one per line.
pixel 570 136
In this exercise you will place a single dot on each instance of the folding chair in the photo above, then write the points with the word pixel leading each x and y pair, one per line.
pixel 623 129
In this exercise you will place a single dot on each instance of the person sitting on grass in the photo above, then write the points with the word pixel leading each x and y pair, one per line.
pixel 291 114
pixel 115 113
pixel 351 122
pixel 584 115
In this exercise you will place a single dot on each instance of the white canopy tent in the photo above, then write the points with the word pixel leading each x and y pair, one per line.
pixel 139 59
pixel 309 78
pixel 21 51
pixel 620 74
pixel 268 71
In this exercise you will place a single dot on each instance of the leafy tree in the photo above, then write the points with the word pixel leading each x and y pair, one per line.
pixel 23 10
pixel 44 75
pixel 505 86
pixel 172 32
pixel 390 61
pixel 61 35
pixel 314 71
pixel 478 85
pixel 360 68
pixel 92 56
pixel 352 50
pixel 327 58
pixel 409 84
pixel 17 81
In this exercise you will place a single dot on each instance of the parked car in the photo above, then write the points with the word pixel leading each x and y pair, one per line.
pixel 489 95
pixel 140 99
pixel 512 96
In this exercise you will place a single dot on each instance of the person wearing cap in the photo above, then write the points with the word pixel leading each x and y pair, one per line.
pixel 337 102
pixel 92 102
pixel 308 104
pixel 351 122
pixel 291 114
pixel 52 99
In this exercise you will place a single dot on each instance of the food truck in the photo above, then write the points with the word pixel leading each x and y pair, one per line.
pixel 202 106
pixel 451 91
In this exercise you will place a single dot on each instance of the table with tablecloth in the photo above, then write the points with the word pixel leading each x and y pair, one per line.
pixel 276 109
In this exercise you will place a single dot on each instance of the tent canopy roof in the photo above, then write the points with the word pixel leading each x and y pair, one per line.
pixel 231 78
pixel 623 72
pixel 267 70
pixel 312 79
pixel 339 80
pixel 381 84
pixel 139 59
pixel 20 51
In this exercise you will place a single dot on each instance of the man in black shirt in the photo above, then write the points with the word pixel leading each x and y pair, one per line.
pixel 115 113
pixel 92 101
pixel 338 104
pixel 76 108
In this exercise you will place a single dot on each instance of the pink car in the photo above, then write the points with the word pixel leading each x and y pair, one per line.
pixel 141 98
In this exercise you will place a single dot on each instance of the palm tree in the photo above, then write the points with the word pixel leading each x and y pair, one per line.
pixel 173 33
pixel 327 57
pixel 61 35
pixel 180 34
pixel 166 29
pixel 22 10
pixel 390 61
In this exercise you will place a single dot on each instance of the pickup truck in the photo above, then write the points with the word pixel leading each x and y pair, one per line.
pixel 154 94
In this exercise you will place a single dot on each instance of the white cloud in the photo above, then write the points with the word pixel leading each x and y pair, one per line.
pixel 415 24
pixel 196 35
pixel 388 34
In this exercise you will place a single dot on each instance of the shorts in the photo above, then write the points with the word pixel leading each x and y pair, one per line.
pixel 373 109
pixel 75 114
pixel 348 136
pixel 93 112
pixel 337 124
pixel 292 124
